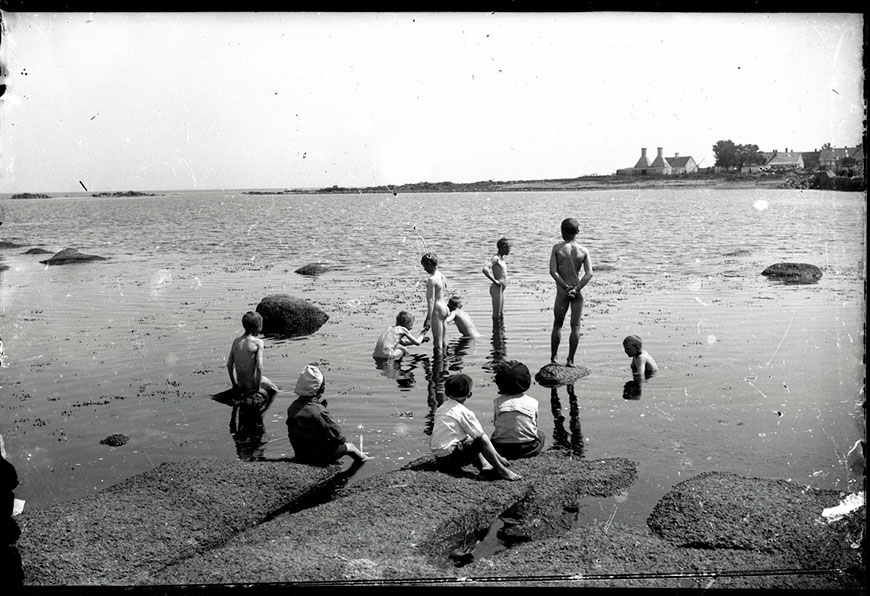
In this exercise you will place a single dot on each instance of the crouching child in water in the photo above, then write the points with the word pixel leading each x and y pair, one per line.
pixel 392 342
pixel 642 367
pixel 515 414
pixel 457 437
pixel 316 439
pixel 460 318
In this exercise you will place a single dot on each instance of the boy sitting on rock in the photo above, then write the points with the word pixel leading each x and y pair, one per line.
pixel 457 437
pixel 515 414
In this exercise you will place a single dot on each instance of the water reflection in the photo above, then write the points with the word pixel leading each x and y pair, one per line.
pixel 561 438
pixel 400 370
pixel 631 390
pixel 499 345
pixel 436 373
pixel 247 427
pixel 458 349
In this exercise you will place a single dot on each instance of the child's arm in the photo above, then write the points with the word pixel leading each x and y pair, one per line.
pixel 231 362
pixel 554 270
pixel 430 303
pixel 450 317
pixel 258 368
pixel 587 266
pixel 487 271
pixel 653 367
pixel 409 340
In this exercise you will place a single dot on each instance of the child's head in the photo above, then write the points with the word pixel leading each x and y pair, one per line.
pixel 429 261
pixel 504 246
pixel 570 228
pixel 632 345
pixel 310 383
pixel 252 322
pixel 512 377
pixel 405 319
pixel 454 303
pixel 458 387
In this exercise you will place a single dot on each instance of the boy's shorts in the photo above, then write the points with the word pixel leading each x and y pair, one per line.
pixel 463 454
pixel 521 450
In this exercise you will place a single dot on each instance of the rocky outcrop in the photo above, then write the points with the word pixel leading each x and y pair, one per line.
pixel 128 532
pixel 287 316
pixel 553 375
pixel 7 244
pixel 36 251
pixel 71 255
pixel 717 510
pixel 222 521
pixel 803 273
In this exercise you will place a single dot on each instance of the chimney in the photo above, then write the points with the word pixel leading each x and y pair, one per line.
pixel 676 154
pixel 774 151
pixel 643 151
pixel 786 149
pixel 660 150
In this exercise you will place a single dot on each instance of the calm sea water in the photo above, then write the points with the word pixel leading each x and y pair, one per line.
pixel 757 377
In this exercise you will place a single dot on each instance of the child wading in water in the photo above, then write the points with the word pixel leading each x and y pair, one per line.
pixel 457 437
pixel 642 366
pixel 392 342
pixel 566 259
pixel 315 437
pixel 436 305
pixel 460 318
pixel 496 272
pixel 245 362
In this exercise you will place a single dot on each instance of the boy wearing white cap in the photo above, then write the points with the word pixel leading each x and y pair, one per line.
pixel 315 437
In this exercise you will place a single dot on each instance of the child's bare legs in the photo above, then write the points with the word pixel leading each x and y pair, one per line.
pixel 576 311
pixel 560 309
pixel 497 293
pixel 439 331
pixel 498 463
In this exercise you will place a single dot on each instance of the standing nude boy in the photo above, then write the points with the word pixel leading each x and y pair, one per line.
pixel 436 305
pixel 496 272
pixel 566 259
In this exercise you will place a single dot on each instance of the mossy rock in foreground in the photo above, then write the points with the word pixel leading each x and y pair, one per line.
pixel 801 273
pixel 287 316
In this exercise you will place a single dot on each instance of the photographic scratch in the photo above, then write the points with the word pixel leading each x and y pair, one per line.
pixel 780 341
pixel 700 302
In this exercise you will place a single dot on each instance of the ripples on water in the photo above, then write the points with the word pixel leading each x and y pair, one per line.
pixel 757 378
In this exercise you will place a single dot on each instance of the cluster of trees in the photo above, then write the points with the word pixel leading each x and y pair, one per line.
pixel 730 155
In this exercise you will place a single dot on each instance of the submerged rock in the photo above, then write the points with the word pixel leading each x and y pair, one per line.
pixel 71 255
pixel 794 272
pixel 115 440
pixel 36 251
pixel 7 244
pixel 552 375
pixel 287 316
pixel 313 269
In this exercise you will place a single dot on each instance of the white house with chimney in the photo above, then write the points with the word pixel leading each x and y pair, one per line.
pixel 661 165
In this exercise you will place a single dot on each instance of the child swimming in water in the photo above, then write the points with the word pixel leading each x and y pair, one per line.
pixel 460 318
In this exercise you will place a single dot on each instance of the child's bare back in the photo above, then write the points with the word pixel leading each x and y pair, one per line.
pixel 244 354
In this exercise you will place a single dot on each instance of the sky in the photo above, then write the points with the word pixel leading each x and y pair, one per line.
pixel 172 101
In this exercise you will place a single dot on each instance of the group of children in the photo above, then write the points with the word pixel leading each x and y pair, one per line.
pixel 457 439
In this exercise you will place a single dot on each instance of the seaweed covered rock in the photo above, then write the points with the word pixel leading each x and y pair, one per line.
pixel 553 375
pixel 725 511
pixel 115 440
pixel 36 251
pixel 794 272
pixel 71 255
pixel 287 316
pixel 7 244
